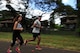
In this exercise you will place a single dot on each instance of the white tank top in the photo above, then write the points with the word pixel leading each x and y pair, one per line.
pixel 19 25
pixel 35 29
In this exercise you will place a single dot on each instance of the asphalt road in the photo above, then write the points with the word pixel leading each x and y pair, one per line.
pixel 28 49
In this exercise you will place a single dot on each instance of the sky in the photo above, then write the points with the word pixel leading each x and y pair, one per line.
pixel 36 12
pixel 70 2
pixel 16 5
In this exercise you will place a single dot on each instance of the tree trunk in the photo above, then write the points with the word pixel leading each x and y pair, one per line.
pixel 78 19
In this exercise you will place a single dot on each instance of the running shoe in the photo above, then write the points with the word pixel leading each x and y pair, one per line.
pixel 9 51
pixel 18 50
pixel 38 48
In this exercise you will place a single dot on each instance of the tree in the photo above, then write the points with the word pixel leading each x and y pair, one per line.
pixel 78 19
pixel 69 10
pixel 44 5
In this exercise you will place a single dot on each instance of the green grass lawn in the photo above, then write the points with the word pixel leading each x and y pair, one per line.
pixel 67 42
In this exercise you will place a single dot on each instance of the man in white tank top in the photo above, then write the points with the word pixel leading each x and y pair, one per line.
pixel 36 32
pixel 37 25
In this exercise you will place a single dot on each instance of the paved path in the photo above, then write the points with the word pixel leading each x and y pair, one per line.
pixel 29 48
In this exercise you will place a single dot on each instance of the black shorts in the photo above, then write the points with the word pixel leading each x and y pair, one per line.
pixel 36 34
